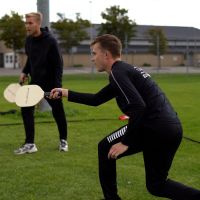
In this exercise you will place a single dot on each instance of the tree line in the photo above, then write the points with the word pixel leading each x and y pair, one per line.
pixel 71 32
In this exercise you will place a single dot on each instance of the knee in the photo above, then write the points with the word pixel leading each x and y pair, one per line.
pixel 103 147
pixel 27 111
pixel 154 188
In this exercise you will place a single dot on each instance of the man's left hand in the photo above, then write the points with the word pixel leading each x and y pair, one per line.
pixel 116 150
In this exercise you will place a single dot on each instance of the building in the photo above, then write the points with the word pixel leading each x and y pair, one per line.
pixel 183 49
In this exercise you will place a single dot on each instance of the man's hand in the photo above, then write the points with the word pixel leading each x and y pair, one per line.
pixel 57 93
pixel 116 150
pixel 22 78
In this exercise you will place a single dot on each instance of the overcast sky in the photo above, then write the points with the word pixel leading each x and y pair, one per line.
pixel 143 12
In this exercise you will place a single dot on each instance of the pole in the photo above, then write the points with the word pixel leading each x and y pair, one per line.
pixel 187 57
pixel 158 50
pixel 91 34
pixel 43 7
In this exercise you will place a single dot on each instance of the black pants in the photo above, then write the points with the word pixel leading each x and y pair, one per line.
pixel 159 147
pixel 58 114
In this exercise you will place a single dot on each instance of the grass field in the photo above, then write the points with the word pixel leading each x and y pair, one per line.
pixel 52 175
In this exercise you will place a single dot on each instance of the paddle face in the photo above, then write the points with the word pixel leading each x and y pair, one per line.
pixel 10 92
pixel 29 95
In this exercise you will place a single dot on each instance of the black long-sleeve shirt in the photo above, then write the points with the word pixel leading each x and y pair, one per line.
pixel 44 61
pixel 137 95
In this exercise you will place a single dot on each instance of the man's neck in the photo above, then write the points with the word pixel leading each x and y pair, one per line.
pixel 110 64
pixel 37 34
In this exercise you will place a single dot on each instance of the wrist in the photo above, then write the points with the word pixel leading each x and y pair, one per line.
pixel 65 92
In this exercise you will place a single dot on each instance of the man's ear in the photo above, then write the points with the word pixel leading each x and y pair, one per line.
pixel 107 53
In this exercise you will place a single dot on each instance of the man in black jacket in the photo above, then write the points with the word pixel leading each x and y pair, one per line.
pixel 45 67
pixel 153 127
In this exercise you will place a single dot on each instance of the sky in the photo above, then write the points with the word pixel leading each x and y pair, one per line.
pixel 143 12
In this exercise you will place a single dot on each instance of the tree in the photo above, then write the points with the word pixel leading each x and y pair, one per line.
pixel 12 32
pixel 159 42
pixel 118 23
pixel 70 32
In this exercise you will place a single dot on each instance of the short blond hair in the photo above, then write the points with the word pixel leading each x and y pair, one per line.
pixel 37 15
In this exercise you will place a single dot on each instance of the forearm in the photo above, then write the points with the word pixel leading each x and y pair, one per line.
pixel 104 95
pixel 84 98
pixel 135 120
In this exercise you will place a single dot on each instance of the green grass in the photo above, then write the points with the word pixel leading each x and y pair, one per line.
pixel 51 175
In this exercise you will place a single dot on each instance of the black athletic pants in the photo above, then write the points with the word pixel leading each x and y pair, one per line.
pixel 58 114
pixel 158 147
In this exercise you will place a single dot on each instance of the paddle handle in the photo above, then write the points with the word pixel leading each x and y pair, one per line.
pixel 21 82
pixel 47 94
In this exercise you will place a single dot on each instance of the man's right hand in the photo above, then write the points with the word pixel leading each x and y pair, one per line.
pixel 57 93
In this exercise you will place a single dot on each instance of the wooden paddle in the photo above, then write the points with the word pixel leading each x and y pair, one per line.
pixel 10 92
pixel 30 95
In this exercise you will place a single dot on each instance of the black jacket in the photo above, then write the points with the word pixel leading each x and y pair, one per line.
pixel 137 95
pixel 44 61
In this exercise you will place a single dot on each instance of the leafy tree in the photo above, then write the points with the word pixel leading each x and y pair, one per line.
pixel 159 43
pixel 70 32
pixel 118 23
pixel 12 32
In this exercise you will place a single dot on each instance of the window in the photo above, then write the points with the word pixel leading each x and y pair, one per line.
pixel 11 59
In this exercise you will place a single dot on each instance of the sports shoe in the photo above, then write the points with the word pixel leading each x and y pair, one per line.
pixel 26 148
pixel 63 145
